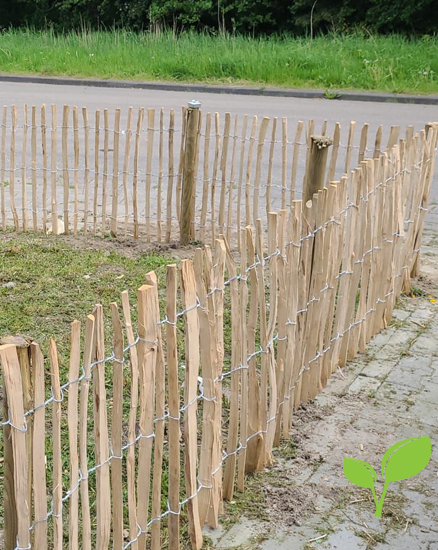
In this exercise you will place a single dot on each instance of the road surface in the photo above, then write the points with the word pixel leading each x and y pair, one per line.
pixel 386 114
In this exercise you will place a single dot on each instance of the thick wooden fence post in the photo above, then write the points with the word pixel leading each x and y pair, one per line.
pixel 187 217
pixel 315 173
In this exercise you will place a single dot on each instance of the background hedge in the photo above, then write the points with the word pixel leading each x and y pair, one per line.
pixel 257 17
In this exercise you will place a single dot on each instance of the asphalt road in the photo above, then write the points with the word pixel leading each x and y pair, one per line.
pixel 386 114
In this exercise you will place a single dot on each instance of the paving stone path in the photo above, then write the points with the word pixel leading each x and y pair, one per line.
pixel 383 397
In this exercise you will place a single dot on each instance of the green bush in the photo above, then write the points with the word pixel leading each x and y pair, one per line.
pixel 257 17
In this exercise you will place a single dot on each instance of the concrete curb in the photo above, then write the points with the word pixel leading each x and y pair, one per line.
pixel 237 90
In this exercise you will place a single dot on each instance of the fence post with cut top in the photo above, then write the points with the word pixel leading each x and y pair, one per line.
pixel 315 172
pixel 188 184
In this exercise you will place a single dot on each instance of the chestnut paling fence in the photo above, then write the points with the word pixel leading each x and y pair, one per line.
pixel 72 170
pixel 140 446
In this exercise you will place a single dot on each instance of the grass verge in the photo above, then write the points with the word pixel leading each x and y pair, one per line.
pixel 377 63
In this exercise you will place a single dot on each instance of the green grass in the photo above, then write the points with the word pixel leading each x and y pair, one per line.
pixel 57 283
pixel 379 63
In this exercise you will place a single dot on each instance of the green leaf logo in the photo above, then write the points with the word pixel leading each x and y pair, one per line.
pixel 359 473
pixel 406 459
pixel 403 460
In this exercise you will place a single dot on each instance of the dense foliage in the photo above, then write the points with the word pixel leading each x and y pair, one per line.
pixel 243 16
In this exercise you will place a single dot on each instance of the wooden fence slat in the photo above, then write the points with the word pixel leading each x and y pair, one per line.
pixel 331 330
pixel 303 292
pixel 103 495
pixel 39 451
pixel 239 189
pixel 214 275
pixel 218 295
pixel 160 397
pixel 96 167
pixel 255 437
pixel 284 144
pixel 214 176
pixel 358 339
pixel 132 422
pixel 12 167
pixel 236 361
pixel 349 146
pixel 45 163
pixel 174 405
pixel 331 243
pixel 203 219
pixel 297 144
pixel 26 378
pixel 3 167
pixel 261 142
pixel 292 267
pixel 171 176
pixel 360 267
pixel 243 335
pixel 128 137
pixel 363 142
pixel 160 176
pixel 147 359
pixel 387 239
pixel 115 177
pixel 135 177
pixel 181 161
pixel 188 291
pixel 198 134
pixel 334 156
pixel 311 211
pixel 283 285
pixel 10 531
pixel 116 430
pixel 12 379
pixel 270 165
pixel 376 260
pixel 65 174
pixel 206 355
pixel 34 169
pixel 23 168
pixel 308 133
pixel 264 368
pixel 248 170
pixel 86 167
pixel 320 263
pixel 73 423
pixel 272 323
pixel 351 233
pixel 377 142
pixel 105 168
pixel 232 183
pixel 393 137
pixel 149 151
pixel 57 449
pixel 223 168
pixel 83 432
pixel 76 169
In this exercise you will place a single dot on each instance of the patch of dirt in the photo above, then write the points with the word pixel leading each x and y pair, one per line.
pixel 290 504
pixel 310 412
pixel 427 284
pixel 128 247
